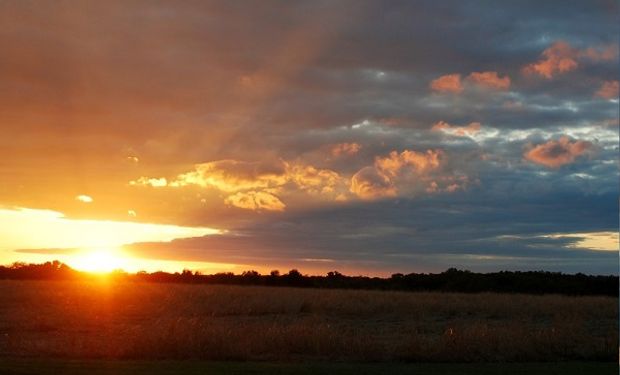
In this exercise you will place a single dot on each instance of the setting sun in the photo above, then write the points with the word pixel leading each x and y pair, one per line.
pixel 100 260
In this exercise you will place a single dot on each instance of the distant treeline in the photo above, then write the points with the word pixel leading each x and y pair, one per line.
pixel 452 280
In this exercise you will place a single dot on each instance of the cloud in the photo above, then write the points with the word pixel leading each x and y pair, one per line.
pixel 459 131
pixel 384 177
pixel 146 181
pixel 255 185
pixel 84 198
pixel 559 58
pixel 341 149
pixel 418 162
pixel 255 200
pixel 313 180
pixel 608 90
pixel 605 53
pixel 450 83
pixel 490 80
pixel 370 183
pixel 233 175
pixel 554 154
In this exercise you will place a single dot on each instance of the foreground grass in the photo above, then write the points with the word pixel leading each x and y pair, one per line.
pixel 65 367
pixel 124 320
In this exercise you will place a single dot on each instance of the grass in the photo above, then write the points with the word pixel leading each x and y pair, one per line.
pixel 67 367
pixel 89 320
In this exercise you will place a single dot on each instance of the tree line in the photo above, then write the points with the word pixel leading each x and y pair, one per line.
pixel 451 280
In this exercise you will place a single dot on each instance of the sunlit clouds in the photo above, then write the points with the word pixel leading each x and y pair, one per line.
pixel 557 59
pixel 490 80
pixel 450 83
pixel 388 136
pixel 459 131
pixel 84 198
pixel 344 149
pixel 608 90
pixel 405 172
pixel 561 58
pixel 556 153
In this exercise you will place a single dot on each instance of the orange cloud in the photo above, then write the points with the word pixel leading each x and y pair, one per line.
pixel 608 90
pixel 606 53
pixel 369 183
pixel 450 83
pixel 313 180
pixel 380 180
pixel 559 58
pixel 459 131
pixel 346 149
pixel 490 80
pixel 448 184
pixel 554 154
pixel 256 200
pixel 416 161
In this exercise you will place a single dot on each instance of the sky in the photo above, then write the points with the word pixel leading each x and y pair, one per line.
pixel 368 137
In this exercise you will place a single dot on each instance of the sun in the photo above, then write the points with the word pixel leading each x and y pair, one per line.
pixel 102 259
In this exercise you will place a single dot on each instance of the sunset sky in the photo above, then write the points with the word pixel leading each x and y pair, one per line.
pixel 368 137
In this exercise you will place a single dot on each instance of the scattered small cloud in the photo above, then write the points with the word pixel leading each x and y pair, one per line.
pixel 609 90
pixel 489 80
pixel 554 154
pixel 342 149
pixel 84 198
pixel 561 58
pixel 458 131
pixel 382 179
pixel 256 201
pixel 450 83
pixel 370 183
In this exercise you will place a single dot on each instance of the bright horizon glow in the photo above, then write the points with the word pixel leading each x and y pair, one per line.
pixel 600 241
pixel 99 260
pixel 43 235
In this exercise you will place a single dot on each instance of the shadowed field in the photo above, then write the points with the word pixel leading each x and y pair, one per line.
pixel 124 320
pixel 99 367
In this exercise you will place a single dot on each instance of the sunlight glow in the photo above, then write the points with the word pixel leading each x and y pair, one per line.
pixel 99 260
pixel 41 235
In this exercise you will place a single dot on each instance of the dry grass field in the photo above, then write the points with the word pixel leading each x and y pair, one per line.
pixel 124 320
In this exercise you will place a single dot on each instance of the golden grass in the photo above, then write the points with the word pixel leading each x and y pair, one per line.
pixel 88 319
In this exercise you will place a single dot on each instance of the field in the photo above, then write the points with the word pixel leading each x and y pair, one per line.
pixel 122 321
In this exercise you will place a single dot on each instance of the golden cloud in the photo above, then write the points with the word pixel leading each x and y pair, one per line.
pixel 419 162
pixel 233 175
pixel 381 179
pixel 254 185
pixel 256 200
pixel 459 131
pixel 370 183
pixel 313 180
